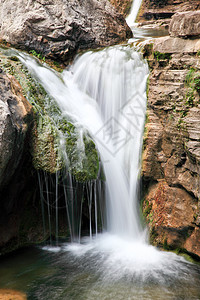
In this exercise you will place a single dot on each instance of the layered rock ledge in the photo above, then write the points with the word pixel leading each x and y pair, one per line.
pixel 163 10
pixel 171 157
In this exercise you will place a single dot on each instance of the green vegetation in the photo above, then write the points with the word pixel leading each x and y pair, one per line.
pixel 153 235
pixel 161 56
pixel 192 83
pixel 38 55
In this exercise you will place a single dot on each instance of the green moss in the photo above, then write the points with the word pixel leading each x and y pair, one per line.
pixel 147 209
pixel 50 127
pixel 165 245
pixel 161 56
pixel 153 235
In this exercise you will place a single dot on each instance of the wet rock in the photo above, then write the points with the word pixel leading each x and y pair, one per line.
pixel 57 29
pixel 185 24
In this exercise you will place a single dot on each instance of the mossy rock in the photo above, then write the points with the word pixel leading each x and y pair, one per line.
pixel 50 127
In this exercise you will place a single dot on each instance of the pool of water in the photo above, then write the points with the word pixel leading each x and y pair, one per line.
pixel 100 270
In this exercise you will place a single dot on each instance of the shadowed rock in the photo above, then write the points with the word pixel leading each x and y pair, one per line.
pixel 15 117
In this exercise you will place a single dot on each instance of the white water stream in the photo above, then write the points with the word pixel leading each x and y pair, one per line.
pixel 130 20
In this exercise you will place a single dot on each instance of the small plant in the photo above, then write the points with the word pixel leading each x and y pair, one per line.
pixel 189 76
pixel 162 56
pixel 192 82
pixel 197 83
pixel 38 55
pixel 190 98
pixel 56 64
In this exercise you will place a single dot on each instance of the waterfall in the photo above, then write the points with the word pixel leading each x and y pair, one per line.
pixel 130 20
pixel 104 92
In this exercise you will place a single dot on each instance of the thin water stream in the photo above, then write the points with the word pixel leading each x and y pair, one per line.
pixel 104 94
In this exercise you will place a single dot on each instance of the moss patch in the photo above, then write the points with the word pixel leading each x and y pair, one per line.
pixel 51 127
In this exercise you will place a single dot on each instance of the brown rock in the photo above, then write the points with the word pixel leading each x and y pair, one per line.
pixel 171 163
pixel 172 215
pixel 163 9
pixel 11 295
pixel 185 24
pixel 176 45
pixel 122 6
pixel 57 29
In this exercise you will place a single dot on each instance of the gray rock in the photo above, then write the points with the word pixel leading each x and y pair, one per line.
pixel 185 24
pixel 57 29
pixel 14 119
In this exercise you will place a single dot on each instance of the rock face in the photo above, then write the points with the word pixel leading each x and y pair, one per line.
pixel 122 6
pixel 164 10
pixel 185 24
pixel 15 117
pixel 57 29
pixel 171 158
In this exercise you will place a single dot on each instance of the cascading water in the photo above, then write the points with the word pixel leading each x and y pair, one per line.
pixel 105 93
pixel 130 20
pixel 102 93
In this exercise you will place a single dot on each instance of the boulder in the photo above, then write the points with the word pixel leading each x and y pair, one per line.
pixel 185 24
pixel 57 29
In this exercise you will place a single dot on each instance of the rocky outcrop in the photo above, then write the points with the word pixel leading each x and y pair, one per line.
pixel 57 29
pixel 15 118
pixel 33 169
pixel 16 178
pixel 185 24
pixel 122 6
pixel 171 158
pixel 163 10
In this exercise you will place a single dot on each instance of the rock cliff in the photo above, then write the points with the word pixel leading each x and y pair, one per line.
pixel 163 10
pixel 58 29
pixel 171 158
